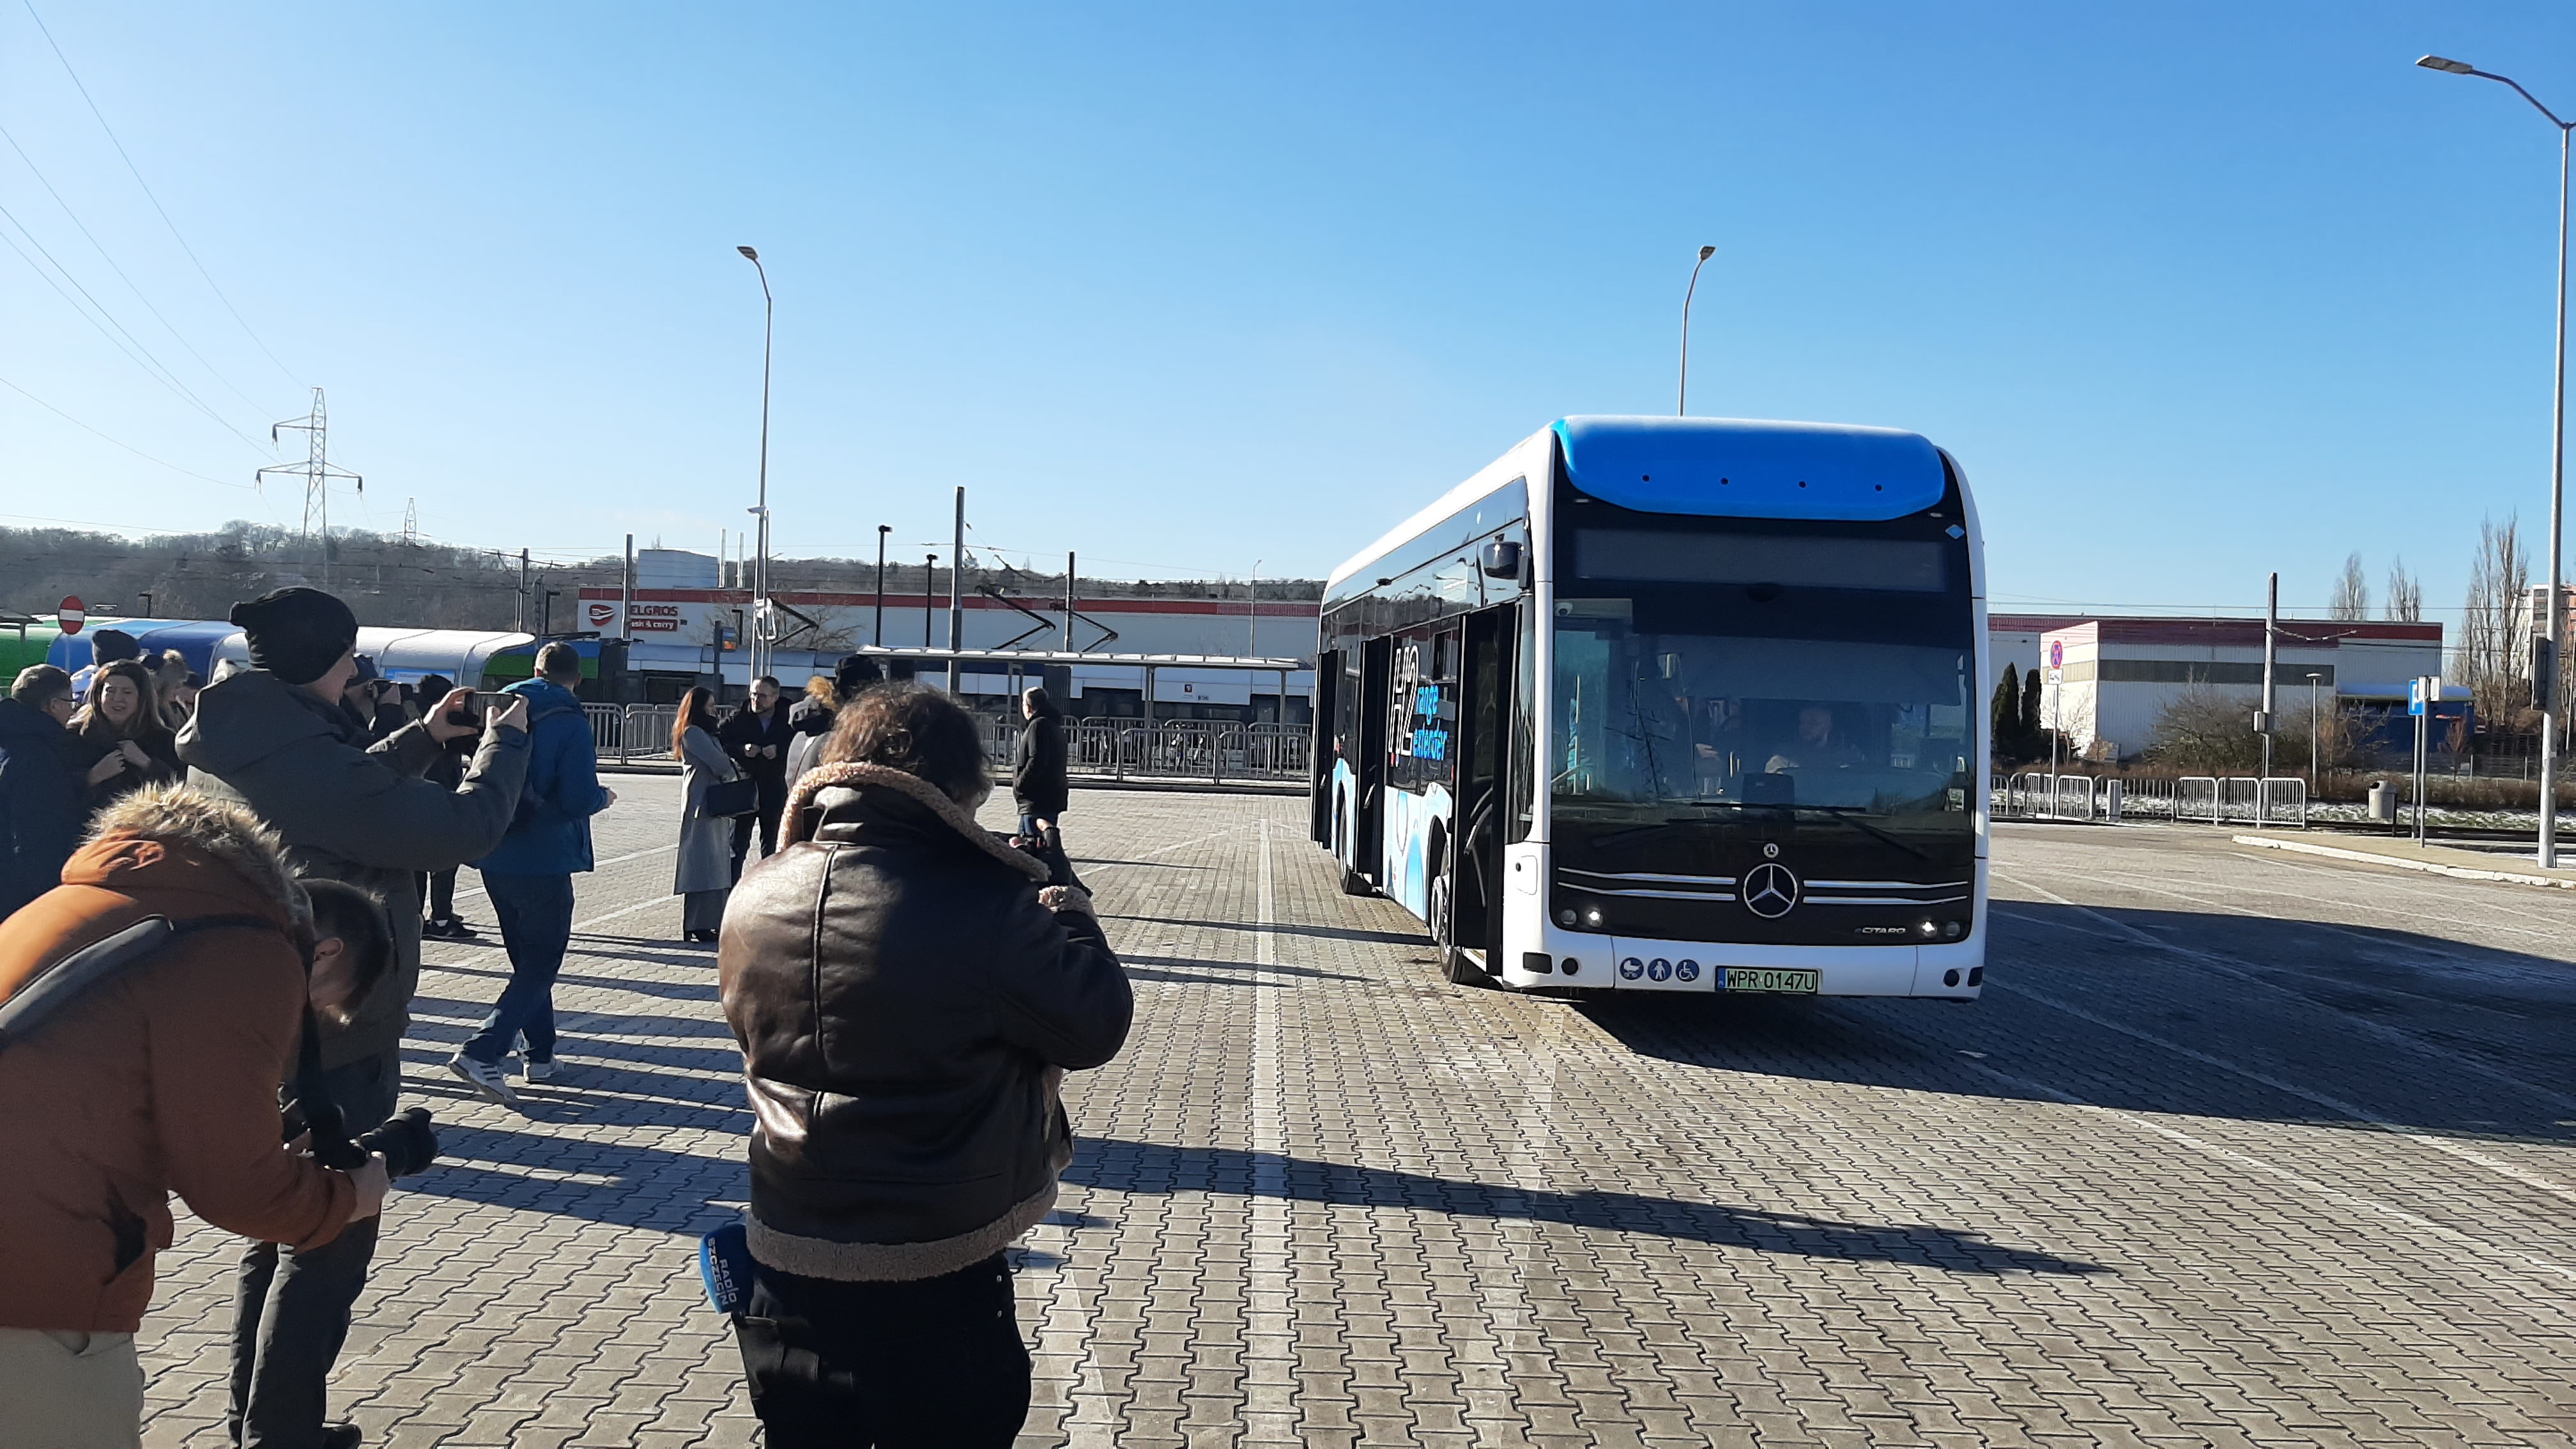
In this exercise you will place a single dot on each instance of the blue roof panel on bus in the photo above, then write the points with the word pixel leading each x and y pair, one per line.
pixel 1736 468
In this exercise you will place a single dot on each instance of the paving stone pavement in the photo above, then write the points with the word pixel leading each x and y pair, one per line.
pixel 2235 1151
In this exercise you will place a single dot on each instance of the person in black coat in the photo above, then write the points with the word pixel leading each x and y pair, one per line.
pixel 1037 770
pixel 756 737
pixel 42 802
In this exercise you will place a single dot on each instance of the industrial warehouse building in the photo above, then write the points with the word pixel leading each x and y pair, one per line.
pixel 2105 681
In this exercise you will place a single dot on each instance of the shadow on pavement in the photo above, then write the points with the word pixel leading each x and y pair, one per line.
pixel 1330 933
pixel 2488 1037
pixel 635 1187
pixel 1234 973
pixel 1121 1166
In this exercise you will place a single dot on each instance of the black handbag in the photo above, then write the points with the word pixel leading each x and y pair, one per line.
pixel 737 796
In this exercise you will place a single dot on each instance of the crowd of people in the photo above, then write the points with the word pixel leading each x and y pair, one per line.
pixel 213 896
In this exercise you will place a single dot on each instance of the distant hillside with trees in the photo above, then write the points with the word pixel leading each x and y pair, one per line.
pixel 394 581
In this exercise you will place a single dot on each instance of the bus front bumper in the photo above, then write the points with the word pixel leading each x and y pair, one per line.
pixel 1949 969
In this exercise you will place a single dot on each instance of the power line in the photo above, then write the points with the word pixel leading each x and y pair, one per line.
pixel 112 265
pixel 137 174
pixel 138 452
pixel 159 371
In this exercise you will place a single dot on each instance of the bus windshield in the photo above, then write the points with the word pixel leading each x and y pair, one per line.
pixel 1648 721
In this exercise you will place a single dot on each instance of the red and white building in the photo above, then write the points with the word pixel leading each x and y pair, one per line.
pixel 684 632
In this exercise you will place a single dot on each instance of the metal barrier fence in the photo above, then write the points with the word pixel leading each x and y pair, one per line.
pixel 2241 799
pixel 630 731
pixel 1211 750
pixel 2198 799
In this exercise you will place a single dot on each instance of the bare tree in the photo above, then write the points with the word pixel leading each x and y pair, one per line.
pixel 2494 658
pixel 2405 593
pixel 2209 730
pixel 2351 592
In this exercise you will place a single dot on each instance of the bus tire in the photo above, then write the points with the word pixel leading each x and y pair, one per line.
pixel 1356 884
pixel 1462 970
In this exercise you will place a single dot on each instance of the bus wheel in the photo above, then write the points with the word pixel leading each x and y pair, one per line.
pixel 1460 968
pixel 1356 884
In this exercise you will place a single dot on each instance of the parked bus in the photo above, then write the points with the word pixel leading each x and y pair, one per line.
pixel 1672 704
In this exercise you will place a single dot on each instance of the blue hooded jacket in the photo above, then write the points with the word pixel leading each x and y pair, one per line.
pixel 551 833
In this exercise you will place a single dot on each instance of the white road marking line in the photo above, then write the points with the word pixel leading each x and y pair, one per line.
pixel 463 891
pixel 473 951
pixel 1148 858
pixel 1269 1334
pixel 2332 1104
pixel 2304 1183
pixel 2361 1025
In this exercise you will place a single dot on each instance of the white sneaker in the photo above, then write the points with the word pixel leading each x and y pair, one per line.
pixel 534 1070
pixel 484 1077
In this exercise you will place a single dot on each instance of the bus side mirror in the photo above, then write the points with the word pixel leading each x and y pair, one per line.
pixel 1502 559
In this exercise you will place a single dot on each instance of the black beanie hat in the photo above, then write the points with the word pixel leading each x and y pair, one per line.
pixel 108 646
pixel 296 634
pixel 854 672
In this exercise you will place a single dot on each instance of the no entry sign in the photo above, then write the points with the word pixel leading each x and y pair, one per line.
pixel 71 615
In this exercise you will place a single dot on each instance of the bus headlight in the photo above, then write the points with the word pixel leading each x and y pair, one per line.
pixel 1592 917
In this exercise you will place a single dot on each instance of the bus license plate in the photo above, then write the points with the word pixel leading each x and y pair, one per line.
pixel 1764 978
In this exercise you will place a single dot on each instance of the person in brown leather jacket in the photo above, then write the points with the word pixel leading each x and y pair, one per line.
pixel 160 1079
pixel 908 993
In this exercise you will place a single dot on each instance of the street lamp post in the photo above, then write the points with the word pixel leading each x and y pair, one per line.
pixel 929 579
pixel 876 636
pixel 1252 630
pixel 2551 705
pixel 2316 762
pixel 1681 407
pixel 761 623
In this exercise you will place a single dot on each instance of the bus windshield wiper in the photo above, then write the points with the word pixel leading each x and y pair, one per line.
pixel 1846 814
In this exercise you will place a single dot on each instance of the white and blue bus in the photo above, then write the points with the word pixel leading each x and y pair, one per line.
pixel 1672 704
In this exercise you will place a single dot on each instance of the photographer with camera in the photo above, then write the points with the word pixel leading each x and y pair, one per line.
pixel 277 738
pixel 154 1002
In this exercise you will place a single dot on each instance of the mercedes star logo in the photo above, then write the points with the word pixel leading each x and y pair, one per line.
pixel 1770 890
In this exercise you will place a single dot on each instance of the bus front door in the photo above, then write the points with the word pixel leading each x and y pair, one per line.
pixel 1476 847
pixel 1368 766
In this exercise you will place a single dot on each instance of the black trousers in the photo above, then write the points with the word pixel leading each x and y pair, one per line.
pixel 439 890
pixel 773 804
pixel 291 1309
pixel 933 1364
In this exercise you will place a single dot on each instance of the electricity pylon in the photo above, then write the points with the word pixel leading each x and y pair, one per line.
pixel 317 471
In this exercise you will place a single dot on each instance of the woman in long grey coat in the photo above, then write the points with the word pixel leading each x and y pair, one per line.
pixel 705 871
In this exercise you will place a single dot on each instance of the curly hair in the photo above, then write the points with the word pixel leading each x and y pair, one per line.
pixel 915 729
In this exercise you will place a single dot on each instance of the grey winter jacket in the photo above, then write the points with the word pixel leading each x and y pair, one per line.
pixel 907 1009
pixel 353 813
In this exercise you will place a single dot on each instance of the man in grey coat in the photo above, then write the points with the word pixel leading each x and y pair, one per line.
pixel 275 737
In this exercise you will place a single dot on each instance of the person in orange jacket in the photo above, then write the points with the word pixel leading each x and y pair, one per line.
pixel 160 1078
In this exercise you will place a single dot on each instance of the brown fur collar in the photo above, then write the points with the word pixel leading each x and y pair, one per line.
pixel 852 776
pixel 220 828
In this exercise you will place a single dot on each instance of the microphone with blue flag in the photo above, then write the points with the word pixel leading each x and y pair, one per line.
pixel 724 1263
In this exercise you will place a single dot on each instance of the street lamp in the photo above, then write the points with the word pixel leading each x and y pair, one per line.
pixel 2551 704
pixel 1252 630
pixel 877 635
pixel 760 616
pixel 1681 407
pixel 2316 762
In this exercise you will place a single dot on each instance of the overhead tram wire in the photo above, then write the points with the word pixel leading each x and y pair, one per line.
pixel 113 442
pixel 137 174
pixel 112 265
pixel 159 370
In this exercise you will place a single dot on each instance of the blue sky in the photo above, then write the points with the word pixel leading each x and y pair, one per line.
pixel 2193 291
